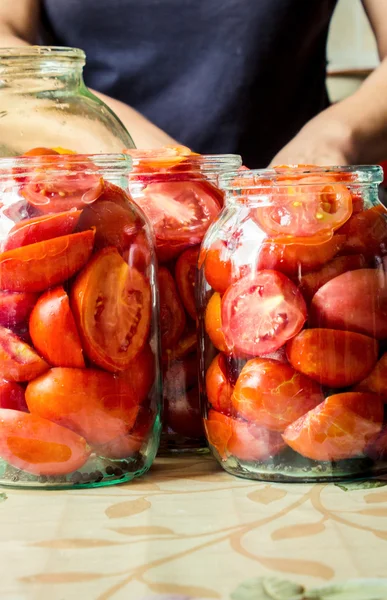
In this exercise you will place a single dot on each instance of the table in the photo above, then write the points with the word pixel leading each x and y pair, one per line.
pixel 189 530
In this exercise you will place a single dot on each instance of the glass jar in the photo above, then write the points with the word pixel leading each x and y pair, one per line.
pixel 293 321
pixel 178 192
pixel 80 384
pixel 44 102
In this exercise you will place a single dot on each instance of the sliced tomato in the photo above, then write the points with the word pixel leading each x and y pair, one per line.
pixel 38 446
pixel 19 362
pixel 333 358
pixel 126 446
pixel 354 301
pixel 172 315
pixel 52 320
pixel 112 305
pixel 213 322
pixel 42 228
pixel 186 268
pixel 234 437
pixel 311 282
pixel 339 428
pixel 158 159
pixel 97 405
pixel 273 395
pixel 36 267
pixel 376 382
pixel 219 389
pixel 218 267
pixel 12 396
pixel 366 233
pixel 16 307
pixel 260 313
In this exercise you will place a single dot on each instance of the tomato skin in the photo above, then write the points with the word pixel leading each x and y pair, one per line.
pixel 12 396
pixel 53 330
pixel 141 373
pixel 366 233
pixel 310 283
pixel 97 405
pixel 36 267
pixel 219 389
pixel 237 438
pixel 127 445
pixel 217 268
pixel 38 446
pixel 111 304
pixel 16 307
pixel 41 228
pixel 213 322
pixel 354 301
pixel 296 258
pixel 339 428
pixel 114 224
pixel 172 315
pixel 252 329
pixel 331 357
pixel 185 273
pixel 376 382
pixel 19 362
pixel 273 395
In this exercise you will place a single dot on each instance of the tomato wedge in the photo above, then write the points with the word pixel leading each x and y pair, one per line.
pixel 19 362
pixel 186 268
pixel 38 446
pixel 172 315
pixel 339 428
pixel 15 307
pixel 36 267
pixel 219 389
pixel 41 228
pixel 260 313
pixel 52 320
pixel 112 305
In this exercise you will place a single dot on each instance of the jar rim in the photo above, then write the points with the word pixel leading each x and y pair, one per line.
pixel 279 176
pixel 207 163
pixel 44 52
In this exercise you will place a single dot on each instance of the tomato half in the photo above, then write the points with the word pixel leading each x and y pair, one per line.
pixel 260 313
pixel 172 315
pixel 38 446
pixel 274 395
pixel 234 437
pixel 36 267
pixel 16 307
pixel 339 428
pixel 112 305
pixel 376 382
pixel 127 445
pixel 186 268
pixel 354 301
pixel 12 396
pixel 41 228
pixel 18 361
pixel 311 282
pixel 213 322
pixel 53 330
pixel 218 387
pixel 114 224
pixel 366 233
pixel 97 405
pixel 333 358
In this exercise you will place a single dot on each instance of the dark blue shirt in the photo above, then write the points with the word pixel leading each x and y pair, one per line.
pixel 218 75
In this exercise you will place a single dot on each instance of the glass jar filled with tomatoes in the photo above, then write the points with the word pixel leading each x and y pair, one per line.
pixel 178 191
pixel 80 384
pixel 293 321
pixel 44 102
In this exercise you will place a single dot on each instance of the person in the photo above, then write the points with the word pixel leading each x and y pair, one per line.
pixel 239 76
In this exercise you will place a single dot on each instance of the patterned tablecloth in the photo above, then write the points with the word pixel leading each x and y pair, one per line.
pixel 188 530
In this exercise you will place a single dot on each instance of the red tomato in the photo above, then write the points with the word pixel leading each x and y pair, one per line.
pixel 354 301
pixel 172 315
pixel 112 305
pixel 310 283
pixel 274 395
pixel 97 405
pixel 39 447
pixel 298 258
pixel 15 307
pixel 180 211
pixel 19 362
pixel 141 374
pixel 366 233
pixel 12 396
pixel 234 437
pixel 377 448
pixel 218 268
pixel 36 267
pixel 127 445
pixel 213 322
pixel 115 225
pixel 376 381
pixel 333 358
pixel 339 428
pixel 186 268
pixel 260 313
pixel 42 228
pixel 53 330
pixel 218 387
